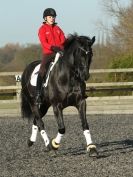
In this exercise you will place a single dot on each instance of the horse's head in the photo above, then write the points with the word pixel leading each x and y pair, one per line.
pixel 83 55
pixel 79 51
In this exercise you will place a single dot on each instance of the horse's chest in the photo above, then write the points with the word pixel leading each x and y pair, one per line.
pixel 74 95
pixel 76 89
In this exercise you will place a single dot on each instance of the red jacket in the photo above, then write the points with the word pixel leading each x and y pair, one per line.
pixel 50 36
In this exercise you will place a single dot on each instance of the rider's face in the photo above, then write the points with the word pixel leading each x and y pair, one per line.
pixel 50 20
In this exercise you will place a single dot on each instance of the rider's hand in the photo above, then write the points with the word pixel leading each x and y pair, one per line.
pixel 61 53
pixel 56 49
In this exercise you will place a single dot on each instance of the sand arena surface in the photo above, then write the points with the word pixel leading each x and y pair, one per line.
pixel 113 135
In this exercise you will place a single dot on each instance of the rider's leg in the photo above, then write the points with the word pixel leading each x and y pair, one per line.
pixel 46 59
pixel 42 72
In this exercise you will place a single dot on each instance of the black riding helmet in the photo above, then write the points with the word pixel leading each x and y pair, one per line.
pixel 49 12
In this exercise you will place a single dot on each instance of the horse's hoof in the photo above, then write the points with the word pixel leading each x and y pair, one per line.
pixel 92 150
pixel 54 145
pixel 30 143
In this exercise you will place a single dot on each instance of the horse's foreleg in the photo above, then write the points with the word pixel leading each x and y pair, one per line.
pixel 91 148
pixel 61 127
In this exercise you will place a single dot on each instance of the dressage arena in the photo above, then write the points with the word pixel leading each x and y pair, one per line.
pixel 113 135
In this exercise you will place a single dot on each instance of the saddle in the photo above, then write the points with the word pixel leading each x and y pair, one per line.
pixel 33 79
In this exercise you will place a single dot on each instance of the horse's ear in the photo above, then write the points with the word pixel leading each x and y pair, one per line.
pixel 93 40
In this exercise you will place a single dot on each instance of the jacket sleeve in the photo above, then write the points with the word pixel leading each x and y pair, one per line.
pixel 43 40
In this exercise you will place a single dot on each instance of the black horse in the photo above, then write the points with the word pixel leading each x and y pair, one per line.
pixel 66 87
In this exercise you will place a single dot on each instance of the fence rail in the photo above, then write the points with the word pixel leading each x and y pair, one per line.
pixel 123 70
pixel 95 105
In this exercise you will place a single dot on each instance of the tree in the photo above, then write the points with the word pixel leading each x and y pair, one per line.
pixel 22 57
pixel 122 31
pixel 7 53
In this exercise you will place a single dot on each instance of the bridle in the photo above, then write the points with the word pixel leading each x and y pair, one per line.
pixel 86 51
pixel 74 71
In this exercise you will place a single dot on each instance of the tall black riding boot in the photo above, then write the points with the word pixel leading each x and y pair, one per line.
pixel 38 90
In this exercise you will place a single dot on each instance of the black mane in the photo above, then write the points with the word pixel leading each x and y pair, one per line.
pixel 72 38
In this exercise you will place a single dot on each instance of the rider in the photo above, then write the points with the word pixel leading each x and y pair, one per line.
pixel 52 39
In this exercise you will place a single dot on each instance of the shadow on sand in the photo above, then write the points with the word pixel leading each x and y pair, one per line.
pixel 105 149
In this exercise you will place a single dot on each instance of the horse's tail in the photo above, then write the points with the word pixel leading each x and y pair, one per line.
pixel 26 111
pixel 25 106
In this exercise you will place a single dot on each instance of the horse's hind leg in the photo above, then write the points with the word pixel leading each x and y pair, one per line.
pixel 91 148
pixel 55 143
pixel 38 124
pixel 33 137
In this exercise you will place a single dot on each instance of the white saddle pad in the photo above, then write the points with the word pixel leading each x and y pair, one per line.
pixel 34 75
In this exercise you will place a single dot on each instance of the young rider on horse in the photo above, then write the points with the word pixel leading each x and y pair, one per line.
pixel 52 39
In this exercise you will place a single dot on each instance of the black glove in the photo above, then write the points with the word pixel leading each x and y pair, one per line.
pixel 56 49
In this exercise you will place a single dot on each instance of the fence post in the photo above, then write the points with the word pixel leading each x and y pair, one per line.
pixel 18 90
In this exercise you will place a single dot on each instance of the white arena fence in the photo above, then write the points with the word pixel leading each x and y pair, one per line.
pixel 95 105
